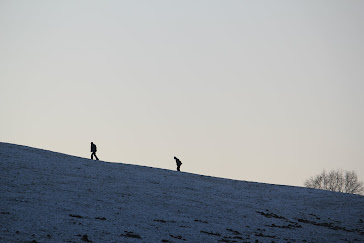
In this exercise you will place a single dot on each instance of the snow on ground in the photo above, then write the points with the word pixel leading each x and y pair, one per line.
pixel 53 197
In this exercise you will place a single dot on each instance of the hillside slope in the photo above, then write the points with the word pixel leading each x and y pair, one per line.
pixel 52 197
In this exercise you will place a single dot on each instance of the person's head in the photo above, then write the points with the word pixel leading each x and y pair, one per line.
pixel 175 157
pixel 92 143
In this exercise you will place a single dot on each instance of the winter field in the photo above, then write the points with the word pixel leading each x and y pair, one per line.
pixel 53 197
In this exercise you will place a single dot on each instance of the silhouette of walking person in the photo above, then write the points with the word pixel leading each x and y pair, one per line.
pixel 93 150
pixel 179 163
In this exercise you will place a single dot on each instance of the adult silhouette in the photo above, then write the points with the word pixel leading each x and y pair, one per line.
pixel 179 163
pixel 93 150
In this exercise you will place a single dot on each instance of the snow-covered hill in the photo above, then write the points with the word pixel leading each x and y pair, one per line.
pixel 52 197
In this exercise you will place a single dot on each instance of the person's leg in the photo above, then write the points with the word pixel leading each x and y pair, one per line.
pixel 92 155
pixel 178 167
pixel 96 157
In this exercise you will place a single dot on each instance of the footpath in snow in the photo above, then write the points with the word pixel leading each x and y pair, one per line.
pixel 52 197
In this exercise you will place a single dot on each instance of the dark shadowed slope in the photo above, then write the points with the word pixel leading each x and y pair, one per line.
pixel 52 197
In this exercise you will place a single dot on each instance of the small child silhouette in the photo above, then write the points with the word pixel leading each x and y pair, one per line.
pixel 179 163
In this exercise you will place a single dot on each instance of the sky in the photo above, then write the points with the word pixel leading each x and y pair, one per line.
pixel 266 91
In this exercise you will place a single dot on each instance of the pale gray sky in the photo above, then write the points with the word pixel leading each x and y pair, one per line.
pixel 267 91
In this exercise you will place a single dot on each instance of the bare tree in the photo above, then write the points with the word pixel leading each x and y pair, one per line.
pixel 336 180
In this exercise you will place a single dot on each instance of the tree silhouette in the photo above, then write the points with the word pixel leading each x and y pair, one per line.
pixel 336 180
